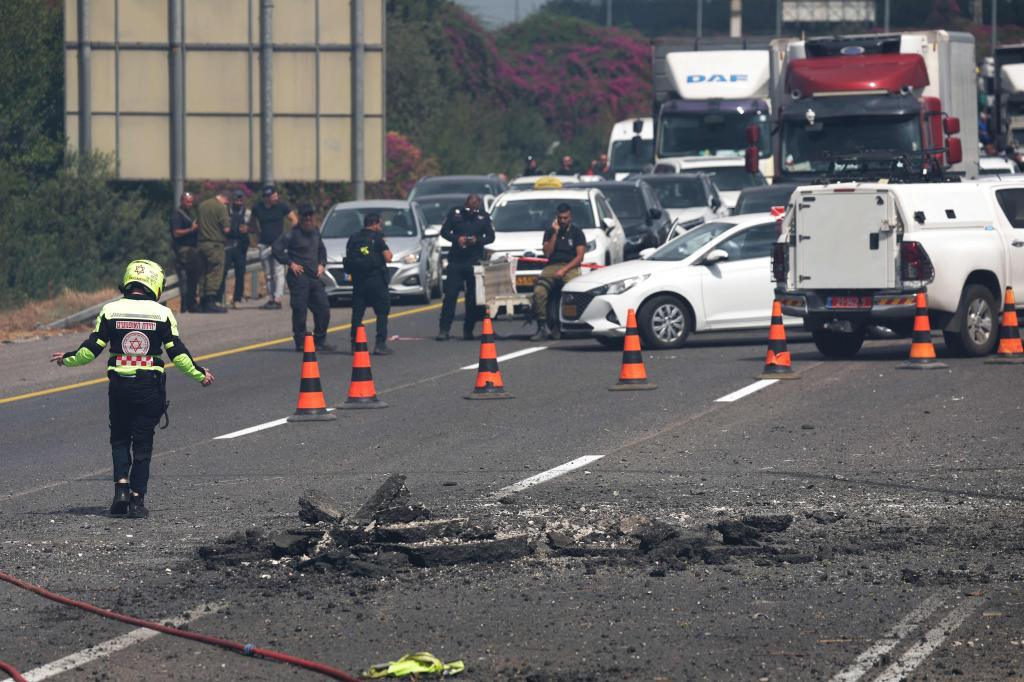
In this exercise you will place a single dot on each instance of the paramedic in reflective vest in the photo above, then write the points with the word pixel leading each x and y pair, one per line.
pixel 137 330
pixel 468 229
pixel 366 259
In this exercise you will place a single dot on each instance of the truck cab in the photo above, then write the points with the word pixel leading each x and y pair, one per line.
pixel 631 147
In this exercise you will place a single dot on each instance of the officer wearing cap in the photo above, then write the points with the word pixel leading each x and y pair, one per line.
pixel 366 259
pixel 137 330
pixel 237 247
pixel 303 253
pixel 269 218
pixel 469 229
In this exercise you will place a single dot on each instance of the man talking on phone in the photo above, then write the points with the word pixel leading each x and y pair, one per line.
pixel 468 229
pixel 564 246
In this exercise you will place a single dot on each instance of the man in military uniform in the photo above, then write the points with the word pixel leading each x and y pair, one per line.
pixel 469 229
pixel 136 329
pixel 303 252
pixel 237 247
pixel 184 240
pixel 214 225
pixel 564 246
pixel 366 259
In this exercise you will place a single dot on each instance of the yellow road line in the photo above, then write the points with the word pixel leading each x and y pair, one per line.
pixel 218 354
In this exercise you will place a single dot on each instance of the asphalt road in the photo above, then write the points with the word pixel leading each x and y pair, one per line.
pixel 903 558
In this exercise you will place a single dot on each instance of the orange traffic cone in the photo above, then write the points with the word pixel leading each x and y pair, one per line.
pixel 488 376
pixel 777 363
pixel 632 376
pixel 1010 351
pixel 312 407
pixel 361 393
pixel 922 350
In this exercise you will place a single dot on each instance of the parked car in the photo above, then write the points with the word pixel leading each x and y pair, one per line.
pixel 415 269
pixel 520 219
pixel 528 181
pixel 715 277
pixel 487 186
pixel 762 199
pixel 689 199
pixel 729 174
pixel 643 219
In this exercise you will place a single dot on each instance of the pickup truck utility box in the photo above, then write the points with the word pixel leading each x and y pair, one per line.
pixel 854 254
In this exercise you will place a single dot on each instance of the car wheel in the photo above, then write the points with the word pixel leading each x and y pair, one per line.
pixel 838 345
pixel 978 324
pixel 664 322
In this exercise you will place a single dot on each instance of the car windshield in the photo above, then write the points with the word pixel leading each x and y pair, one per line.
pixel 734 178
pixel 436 210
pixel 465 187
pixel 627 201
pixel 811 148
pixel 535 215
pixel 625 158
pixel 676 191
pixel 710 133
pixel 761 201
pixel 688 243
pixel 342 223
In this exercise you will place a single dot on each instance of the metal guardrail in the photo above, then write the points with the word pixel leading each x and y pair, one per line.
pixel 170 285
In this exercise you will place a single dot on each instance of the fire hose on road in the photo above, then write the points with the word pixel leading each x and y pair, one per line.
pixel 237 647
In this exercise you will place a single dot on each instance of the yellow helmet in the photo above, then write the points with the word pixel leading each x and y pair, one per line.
pixel 145 272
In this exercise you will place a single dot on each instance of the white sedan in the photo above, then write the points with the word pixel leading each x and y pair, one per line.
pixel 715 277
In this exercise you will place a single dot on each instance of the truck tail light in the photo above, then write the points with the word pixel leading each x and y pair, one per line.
pixel 915 265
pixel 780 261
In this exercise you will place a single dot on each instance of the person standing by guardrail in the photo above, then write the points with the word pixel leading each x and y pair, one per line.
pixel 213 228
pixel 184 241
pixel 564 246
pixel 468 229
pixel 268 216
pixel 303 253
pixel 237 247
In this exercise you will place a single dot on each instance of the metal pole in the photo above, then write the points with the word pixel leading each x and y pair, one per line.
pixel 778 18
pixel 735 18
pixel 608 13
pixel 84 80
pixel 517 11
pixel 177 58
pixel 995 27
pixel 266 92
pixel 700 18
pixel 887 3
pixel 358 102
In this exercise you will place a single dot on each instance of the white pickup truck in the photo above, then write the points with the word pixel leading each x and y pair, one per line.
pixel 852 255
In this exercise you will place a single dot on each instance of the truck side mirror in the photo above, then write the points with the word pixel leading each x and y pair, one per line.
pixel 751 158
pixel 954 151
pixel 951 125
pixel 753 134
pixel 638 126
pixel 654 213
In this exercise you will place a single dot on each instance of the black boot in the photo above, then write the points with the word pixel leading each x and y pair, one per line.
pixel 119 507
pixel 443 335
pixel 136 507
pixel 210 305
pixel 543 333
pixel 382 349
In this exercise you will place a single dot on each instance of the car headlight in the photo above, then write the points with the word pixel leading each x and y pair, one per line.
pixel 591 245
pixel 409 258
pixel 619 287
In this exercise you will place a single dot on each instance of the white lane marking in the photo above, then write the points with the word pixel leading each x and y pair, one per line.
pixel 887 642
pixel 549 474
pixel 747 390
pixel 510 356
pixel 933 639
pixel 258 427
pixel 104 649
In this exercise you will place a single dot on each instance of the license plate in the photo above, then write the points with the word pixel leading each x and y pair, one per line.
pixel 526 280
pixel 568 310
pixel 848 302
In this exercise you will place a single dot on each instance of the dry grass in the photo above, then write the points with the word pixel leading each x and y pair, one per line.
pixel 20 323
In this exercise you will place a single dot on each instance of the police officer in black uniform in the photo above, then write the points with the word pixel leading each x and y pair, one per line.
pixel 136 329
pixel 302 251
pixel 236 247
pixel 468 229
pixel 366 259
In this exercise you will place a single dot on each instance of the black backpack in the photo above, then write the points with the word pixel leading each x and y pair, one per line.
pixel 360 255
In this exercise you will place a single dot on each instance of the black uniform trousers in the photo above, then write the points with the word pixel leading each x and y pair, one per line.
pixel 459 275
pixel 371 290
pixel 234 259
pixel 189 268
pixel 136 405
pixel 308 294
